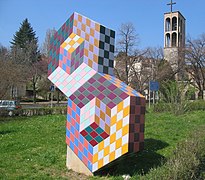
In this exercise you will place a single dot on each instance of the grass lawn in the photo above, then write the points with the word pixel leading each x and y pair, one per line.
pixel 34 147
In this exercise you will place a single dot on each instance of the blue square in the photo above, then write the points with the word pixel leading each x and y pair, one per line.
pixel 78 111
pixel 64 67
pixel 72 129
pixel 69 103
pixel 81 139
pixel 67 133
pixel 85 152
pixel 68 118
pixel 80 155
pixel 68 62
pixel 90 148
pixel 60 57
pixel 76 142
pixel 73 114
pixel 65 52
pixel 71 145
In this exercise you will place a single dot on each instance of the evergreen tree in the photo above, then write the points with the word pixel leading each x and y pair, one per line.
pixel 25 44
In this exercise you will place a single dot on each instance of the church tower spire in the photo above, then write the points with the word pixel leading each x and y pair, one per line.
pixel 174 38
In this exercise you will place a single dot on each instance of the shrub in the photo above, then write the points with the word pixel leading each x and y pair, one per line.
pixel 187 161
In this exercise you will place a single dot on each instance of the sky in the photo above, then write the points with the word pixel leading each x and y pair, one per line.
pixel 146 16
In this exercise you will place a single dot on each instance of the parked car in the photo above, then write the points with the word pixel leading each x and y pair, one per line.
pixel 9 107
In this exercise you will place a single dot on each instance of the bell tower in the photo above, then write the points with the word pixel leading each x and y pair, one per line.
pixel 174 39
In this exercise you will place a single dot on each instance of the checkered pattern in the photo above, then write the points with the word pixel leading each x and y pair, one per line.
pixel 105 118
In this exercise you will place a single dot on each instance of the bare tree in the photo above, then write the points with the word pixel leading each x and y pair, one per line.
pixel 46 43
pixel 195 60
pixel 11 74
pixel 127 41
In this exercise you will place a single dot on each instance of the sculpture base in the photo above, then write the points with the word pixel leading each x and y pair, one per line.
pixel 74 163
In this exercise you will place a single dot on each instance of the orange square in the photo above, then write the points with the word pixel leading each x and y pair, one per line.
pixel 80 18
pixel 108 111
pixel 113 120
pixel 120 106
pixel 72 42
pixel 92 32
pixel 106 150
pixel 87 37
pixel 86 52
pixel 112 138
pixel 125 130
pixel 83 27
pixel 97 120
pixel 95 58
pixel 107 129
pixel 78 32
pixel 97 102
pixel 95 158
pixel 118 143
pixel 90 63
pixel 88 22
pixel 102 115
pixel 112 156
pixel 96 42
pixel 124 148
pixel 126 111
pixel 97 27
pixel 100 146
pixel 100 163
pixel 119 125
pixel 75 23
pixel 91 47
pixel 72 36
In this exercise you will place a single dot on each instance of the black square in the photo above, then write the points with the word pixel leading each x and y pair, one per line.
pixel 137 118
pixel 137 100
pixel 141 127
pixel 101 45
pixel 106 54
pixel 105 69
pixel 102 29
pixel 112 33
pixel 132 109
pixel 110 63
pixel 100 60
pixel 112 48
pixel 136 137
pixel 132 128
pixel 107 39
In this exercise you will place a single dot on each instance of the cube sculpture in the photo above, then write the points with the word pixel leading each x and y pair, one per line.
pixel 105 117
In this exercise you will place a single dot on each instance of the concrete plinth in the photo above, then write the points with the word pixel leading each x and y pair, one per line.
pixel 74 163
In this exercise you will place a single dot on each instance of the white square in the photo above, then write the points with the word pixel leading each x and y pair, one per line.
pixel 113 111
pixel 119 116
pixel 118 152
pixel 125 139
pixel 107 142
pixel 126 102
pixel 95 166
pixel 101 154
pixel 95 149
pixel 112 147
pixel 125 121
pixel 113 129
pixel 119 134
pixel 106 160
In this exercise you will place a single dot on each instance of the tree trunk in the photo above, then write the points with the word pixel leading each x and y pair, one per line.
pixel 34 93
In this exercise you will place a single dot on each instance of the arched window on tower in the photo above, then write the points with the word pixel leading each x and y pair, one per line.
pixel 167 40
pixel 167 24
pixel 174 24
pixel 174 39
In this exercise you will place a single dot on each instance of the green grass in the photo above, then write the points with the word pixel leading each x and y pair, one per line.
pixel 34 147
